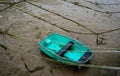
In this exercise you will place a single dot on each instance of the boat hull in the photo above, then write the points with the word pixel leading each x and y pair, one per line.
pixel 79 53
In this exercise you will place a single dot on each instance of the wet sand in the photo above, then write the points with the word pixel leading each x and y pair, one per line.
pixel 94 22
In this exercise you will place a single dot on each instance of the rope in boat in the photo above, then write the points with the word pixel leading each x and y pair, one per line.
pixel 71 63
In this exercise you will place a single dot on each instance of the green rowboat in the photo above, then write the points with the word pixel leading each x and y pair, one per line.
pixel 65 49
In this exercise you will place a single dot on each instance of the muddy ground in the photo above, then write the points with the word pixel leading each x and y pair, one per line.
pixel 23 23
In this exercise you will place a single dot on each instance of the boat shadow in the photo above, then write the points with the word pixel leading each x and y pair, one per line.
pixel 55 65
